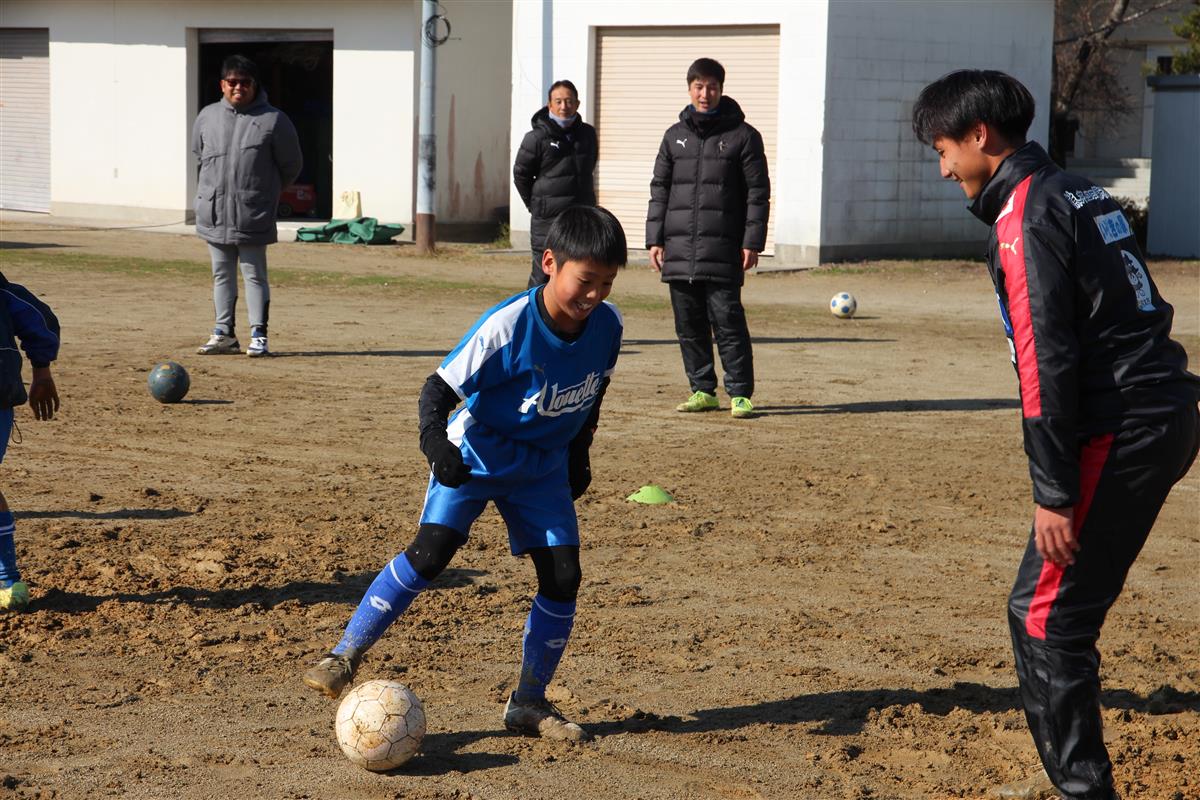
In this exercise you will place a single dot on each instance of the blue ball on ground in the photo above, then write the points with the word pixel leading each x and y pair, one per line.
pixel 168 382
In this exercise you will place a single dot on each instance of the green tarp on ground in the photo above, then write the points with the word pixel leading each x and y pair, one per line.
pixel 361 230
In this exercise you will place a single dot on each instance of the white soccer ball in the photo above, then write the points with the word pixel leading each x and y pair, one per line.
pixel 843 305
pixel 380 725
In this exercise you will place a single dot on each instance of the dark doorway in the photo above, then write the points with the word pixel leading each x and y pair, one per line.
pixel 298 79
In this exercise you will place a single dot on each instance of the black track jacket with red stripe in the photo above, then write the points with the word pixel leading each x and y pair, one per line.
pixel 1088 330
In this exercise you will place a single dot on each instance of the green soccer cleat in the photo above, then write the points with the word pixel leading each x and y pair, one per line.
pixel 699 401
pixel 14 596
pixel 741 407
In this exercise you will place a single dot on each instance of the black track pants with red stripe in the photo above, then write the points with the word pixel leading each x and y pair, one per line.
pixel 1055 614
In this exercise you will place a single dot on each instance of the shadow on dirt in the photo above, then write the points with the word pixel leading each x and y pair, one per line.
pixel 348 589
pixel 351 353
pixel 767 340
pixel 886 406
pixel 845 713
pixel 29 245
pixel 439 755
pixel 122 513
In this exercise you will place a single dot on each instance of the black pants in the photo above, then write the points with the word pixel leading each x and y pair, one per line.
pixel 705 309
pixel 1055 614
pixel 536 276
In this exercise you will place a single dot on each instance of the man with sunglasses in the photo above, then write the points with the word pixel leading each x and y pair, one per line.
pixel 248 151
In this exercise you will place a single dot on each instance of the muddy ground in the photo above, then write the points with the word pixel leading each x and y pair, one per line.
pixel 820 614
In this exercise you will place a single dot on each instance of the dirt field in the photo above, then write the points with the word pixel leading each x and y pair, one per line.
pixel 820 615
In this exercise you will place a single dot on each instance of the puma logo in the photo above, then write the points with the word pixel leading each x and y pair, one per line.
pixel 682 142
pixel 554 145
pixel 1010 247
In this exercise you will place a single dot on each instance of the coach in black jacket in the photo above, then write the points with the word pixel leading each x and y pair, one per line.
pixel 706 225
pixel 1108 406
pixel 554 167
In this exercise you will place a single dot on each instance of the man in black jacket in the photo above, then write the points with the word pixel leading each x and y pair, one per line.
pixel 1109 409
pixel 706 225
pixel 554 166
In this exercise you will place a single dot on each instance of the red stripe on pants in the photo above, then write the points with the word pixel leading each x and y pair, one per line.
pixel 1091 463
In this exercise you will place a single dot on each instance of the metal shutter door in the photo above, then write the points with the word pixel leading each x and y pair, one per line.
pixel 641 85
pixel 25 119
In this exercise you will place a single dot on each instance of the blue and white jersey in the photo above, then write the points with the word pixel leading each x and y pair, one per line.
pixel 523 382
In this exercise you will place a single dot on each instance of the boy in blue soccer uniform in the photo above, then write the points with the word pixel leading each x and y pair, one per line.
pixel 533 371
pixel 24 317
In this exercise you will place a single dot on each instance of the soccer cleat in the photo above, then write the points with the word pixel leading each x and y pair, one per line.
pixel 331 674
pixel 219 344
pixel 741 407
pixel 541 718
pixel 699 401
pixel 14 595
pixel 258 347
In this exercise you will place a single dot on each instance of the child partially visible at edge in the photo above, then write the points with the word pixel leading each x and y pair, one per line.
pixel 532 372
pixel 22 317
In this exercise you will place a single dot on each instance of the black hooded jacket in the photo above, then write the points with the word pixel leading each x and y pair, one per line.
pixel 553 170
pixel 1088 331
pixel 709 196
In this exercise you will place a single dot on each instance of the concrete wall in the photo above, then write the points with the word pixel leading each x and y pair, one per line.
pixel 473 90
pixel 123 100
pixel 552 39
pixel 883 194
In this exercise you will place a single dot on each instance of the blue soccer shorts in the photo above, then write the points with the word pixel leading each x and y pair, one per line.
pixel 529 487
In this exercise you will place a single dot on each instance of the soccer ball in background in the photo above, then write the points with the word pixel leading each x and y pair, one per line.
pixel 380 725
pixel 843 305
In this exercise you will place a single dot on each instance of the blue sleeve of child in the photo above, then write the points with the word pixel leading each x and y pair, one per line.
pixel 33 323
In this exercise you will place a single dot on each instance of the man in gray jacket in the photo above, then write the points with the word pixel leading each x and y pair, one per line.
pixel 248 151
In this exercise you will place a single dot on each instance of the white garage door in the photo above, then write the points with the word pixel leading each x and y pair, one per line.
pixel 641 85
pixel 25 119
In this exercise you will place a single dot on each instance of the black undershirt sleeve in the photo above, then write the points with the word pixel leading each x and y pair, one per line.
pixel 437 400
pixel 584 437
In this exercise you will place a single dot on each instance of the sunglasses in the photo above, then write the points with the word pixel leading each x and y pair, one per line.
pixel 235 82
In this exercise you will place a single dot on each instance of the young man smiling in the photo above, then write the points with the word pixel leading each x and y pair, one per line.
pixel 1109 409
pixel 705 226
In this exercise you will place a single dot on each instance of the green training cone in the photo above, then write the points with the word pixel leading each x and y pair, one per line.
pixel 651 495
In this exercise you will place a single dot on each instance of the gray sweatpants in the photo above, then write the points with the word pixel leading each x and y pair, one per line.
pixel 226 258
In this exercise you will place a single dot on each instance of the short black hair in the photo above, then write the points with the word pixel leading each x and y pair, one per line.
pixel 706 68
pixel 562 85
pixel 954 102
pixel 587 233
pixel 239 63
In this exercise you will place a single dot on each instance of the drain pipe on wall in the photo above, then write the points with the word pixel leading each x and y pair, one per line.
pixel 426 142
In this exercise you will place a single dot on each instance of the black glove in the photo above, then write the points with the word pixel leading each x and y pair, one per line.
pixel 579 470
pixel 446 461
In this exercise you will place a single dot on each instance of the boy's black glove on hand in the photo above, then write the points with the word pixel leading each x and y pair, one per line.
pixel 579 470
pixel 446 461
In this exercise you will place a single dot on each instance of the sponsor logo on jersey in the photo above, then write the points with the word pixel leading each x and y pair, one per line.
pixel 1113 227
pixel 551 401
pixel 1082 198
pixel 1139 280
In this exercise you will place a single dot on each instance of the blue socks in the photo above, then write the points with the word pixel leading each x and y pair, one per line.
pixel 547 630
pixel 393 589
pixel 8 549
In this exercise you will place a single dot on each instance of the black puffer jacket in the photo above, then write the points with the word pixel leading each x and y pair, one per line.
pixel 553 170
pixel 709 196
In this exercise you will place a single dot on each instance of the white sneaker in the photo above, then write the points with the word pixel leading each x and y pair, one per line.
pixel 258 347
pixel 219 344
